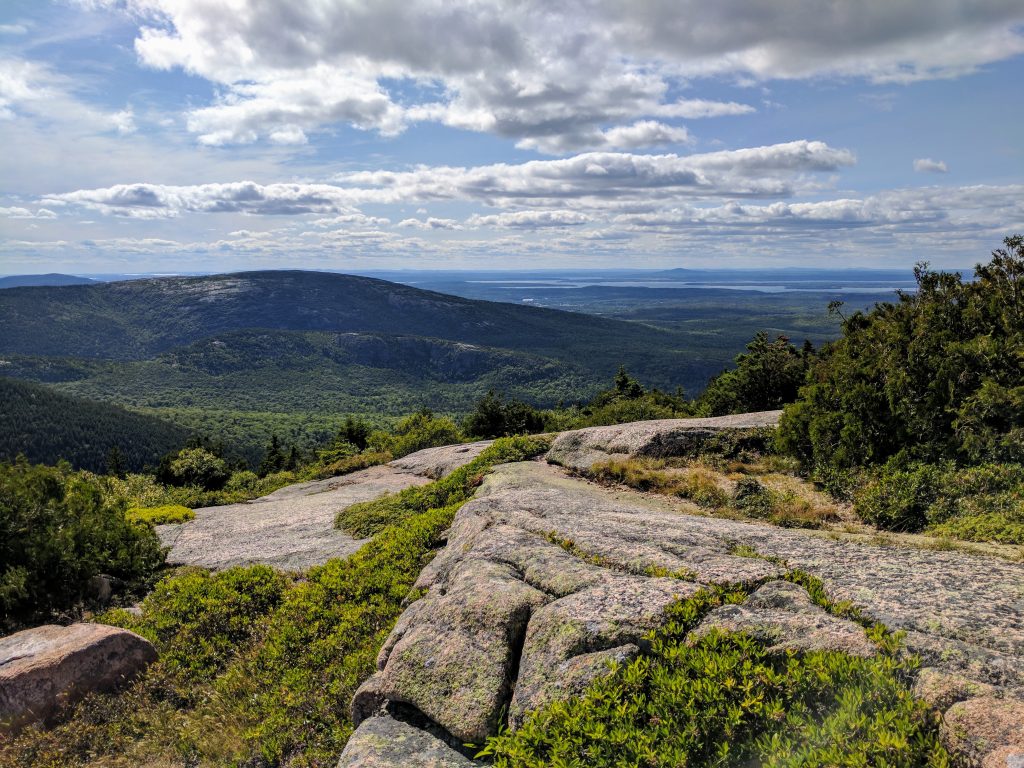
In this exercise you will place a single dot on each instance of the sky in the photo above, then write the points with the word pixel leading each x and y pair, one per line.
pixel 220 135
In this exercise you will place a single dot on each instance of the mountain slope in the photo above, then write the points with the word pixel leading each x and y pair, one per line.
pixel 139 319
pixel 47 426
pixel 51 278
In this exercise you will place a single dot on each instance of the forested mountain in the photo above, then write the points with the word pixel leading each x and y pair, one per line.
pixel 47 426
pixel 134 320
pixel 51 278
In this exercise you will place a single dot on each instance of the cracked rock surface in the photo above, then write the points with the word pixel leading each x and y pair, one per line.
pixel 546 578
pixel 293 528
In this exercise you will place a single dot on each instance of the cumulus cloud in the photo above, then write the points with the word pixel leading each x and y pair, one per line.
pixel 430 223
pixel 927 165
pixel 556 76
pixel 594 178
pixel 530 220
pixel 17 212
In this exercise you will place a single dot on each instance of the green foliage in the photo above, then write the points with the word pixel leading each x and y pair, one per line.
pixel 168 513
pixel 46 426
pixel 726 700
pixel 197 466
pixel 936 376
pixel 494 416
pixel 256 669
pixel 414 433
pixel 57 531
pixel 369 517
pixel 766 377
pixel 353 463
pixel 980 503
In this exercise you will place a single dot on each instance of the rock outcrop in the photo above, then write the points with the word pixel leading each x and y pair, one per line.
pixel 384 742
pixel 547 578
pixel 45 668
pixel 581 449
pixel 293 528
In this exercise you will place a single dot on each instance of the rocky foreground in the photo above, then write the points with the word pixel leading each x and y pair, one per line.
pixel 544 580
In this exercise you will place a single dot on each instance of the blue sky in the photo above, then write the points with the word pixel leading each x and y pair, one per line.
pixel 196 135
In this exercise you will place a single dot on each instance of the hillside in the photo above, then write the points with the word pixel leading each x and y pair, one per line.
pixel 305 342
pixel 51 278
pixel 47 426
pixel 137 319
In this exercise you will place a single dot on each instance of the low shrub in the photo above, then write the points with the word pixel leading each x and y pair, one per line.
pixel 256 669
pixel 414 433
pixel 782 507
pixel 726 700
pixel 168 513
pixel 351 463
pixel 980 503
pixel 986 527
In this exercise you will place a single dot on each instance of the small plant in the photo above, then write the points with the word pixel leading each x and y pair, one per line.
pixel 162 515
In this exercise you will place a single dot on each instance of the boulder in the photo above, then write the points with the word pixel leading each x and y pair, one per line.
pixel 580 449
pixel 782 614
pixel 384 742
pixel 984 730
pixel 45 668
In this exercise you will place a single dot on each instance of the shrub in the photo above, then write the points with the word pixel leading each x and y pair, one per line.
pixel 982 503
pixel 352 463
pixel 766 377
pixel 256 669
pixel 725 699
pixel 414 433
pixel 196 466
pixel 695 483
pixel 494 416
pixel 936 376
pixel 168 513
pixel 57 531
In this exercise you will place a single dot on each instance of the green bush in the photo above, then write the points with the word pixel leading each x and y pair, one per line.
pixel 937 376
pixel 944 498
pixel 168 513
pixel 726 700
pixel 496 416
pixel 766 377
pixel 195 466
pixel 414 433
pixel 256 669
pixel 57 531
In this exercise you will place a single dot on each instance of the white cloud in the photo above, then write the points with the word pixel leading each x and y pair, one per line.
pixel 13 29
pixel 124 121
pixel 558 76
pixel 430 223
pixel 598 179
pixel 17 212
pixel 927 165
pixel 530 220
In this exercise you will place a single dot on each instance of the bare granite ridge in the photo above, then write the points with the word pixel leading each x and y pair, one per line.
pixel 545 579
pixel 581 449
pixel 293 527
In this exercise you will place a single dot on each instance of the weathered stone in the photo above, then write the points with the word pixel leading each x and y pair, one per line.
pixel 940 690
pixel 783 615
pixel 292 528
pixel 438 462
pixel 1004 757
pixel 45 668
pixel 581 449
pixel 383 742
pixel 981 727
pixel 456 663
pixel 571 640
